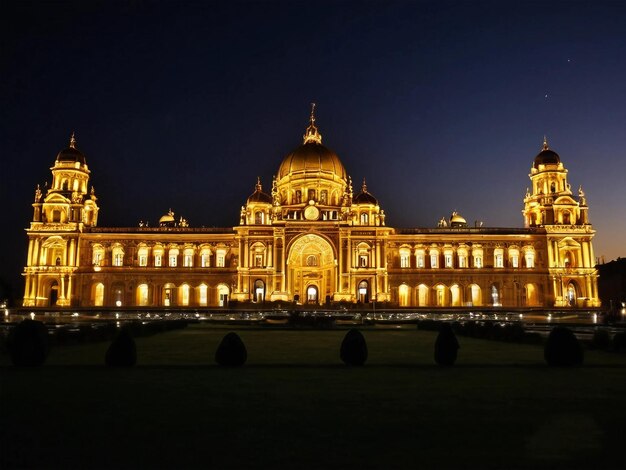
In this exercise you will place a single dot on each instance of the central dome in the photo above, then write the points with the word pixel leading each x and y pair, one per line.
pixel 314 159
pixel 546 156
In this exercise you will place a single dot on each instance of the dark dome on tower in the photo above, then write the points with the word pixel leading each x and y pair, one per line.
pixel 71 154
pixel 364 197
pixel 546 156
pixel 258 195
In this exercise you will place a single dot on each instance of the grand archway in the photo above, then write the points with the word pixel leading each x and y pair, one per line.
pixel 311 264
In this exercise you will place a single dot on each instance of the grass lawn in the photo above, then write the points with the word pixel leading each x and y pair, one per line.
pixel 295 405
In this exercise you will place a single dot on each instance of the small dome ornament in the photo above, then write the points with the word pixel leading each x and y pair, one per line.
pixel 73 141
pixel 312 135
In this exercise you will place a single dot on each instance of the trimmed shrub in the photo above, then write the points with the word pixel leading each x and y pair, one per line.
pixel 28 343
pixel 231 352
pixel 353 350
pixel 563 348
pixel 446 346
pixel 601 339
pixel 122 352
pixel 619 342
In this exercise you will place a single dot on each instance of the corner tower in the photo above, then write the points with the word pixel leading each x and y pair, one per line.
pixel 59 216
pixel 552 206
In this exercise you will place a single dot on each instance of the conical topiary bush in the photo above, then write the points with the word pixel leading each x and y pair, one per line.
pixel 353 350
pixel 28 343
pixel 446 346
pixel 563 348
pixel 231 352
pixel 122 352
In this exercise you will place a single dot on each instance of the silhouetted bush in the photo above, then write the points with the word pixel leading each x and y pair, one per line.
pixel 353 350
pixel 231 352
pixel 619 342
pixel 446 346
pixel 563 348
pixel 601 339
pixel 122 352
pixel 28 343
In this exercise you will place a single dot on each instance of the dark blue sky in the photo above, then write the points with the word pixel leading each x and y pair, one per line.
pixel 442 106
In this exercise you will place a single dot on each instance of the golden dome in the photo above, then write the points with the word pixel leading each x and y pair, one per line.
pixel 456 220
pixel 167 218
pixel 312 158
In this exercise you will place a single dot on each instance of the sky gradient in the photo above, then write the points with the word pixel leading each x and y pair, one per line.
pixel 441 106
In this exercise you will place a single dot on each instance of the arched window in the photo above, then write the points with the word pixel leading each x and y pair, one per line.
pixel 514 257
pixel 364 218
pixel 259 217
pixel 172 257
pixel 259 290
pixel 142 295
pixel 477 253
pixel 403 295
pixel 142 255
pixel 462 257
pixel 97 256
pixel 405 258
pixel 363 292
pixel 529 257
pixel 202 295
pixel 434 258
pixel 188 257
pixel 118 255
pixel 311 260
pixel 498 258
pixel 422 295
pixel 158 252
pixel 184 295
pixel 99 295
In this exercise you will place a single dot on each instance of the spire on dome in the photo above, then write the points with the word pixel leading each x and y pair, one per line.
pixel 312 134
pixel 258 186
pixel 545 143
pixel 364 187
pixel 72 141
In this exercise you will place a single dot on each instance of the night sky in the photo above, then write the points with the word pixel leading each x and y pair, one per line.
pixel 441 106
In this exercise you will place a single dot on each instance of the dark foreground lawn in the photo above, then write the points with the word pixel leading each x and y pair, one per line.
pixel 294 405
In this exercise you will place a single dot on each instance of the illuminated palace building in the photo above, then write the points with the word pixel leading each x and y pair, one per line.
pixel 313 240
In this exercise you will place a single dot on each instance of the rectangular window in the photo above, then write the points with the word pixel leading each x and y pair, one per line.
pixel 221 260
pixel 173 261
pixel 363 261
pixel 143 260
pixel 499 261
pixel 258 261
pixel 433 261
pixel 530 260
pixel 420 261
pixel 478 262
pixel 158 261
pixel 515 261
pixel 404 261
pixel 205 261
pixel 448 259
pixel 97 258
pixel 188 261
pixel 118 259
pixel 462 261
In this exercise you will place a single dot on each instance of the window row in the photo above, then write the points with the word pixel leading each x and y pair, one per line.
pixel 161 257
pixel 463 258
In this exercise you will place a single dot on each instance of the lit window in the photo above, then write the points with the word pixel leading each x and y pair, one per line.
pixel 421 259
pixel 188 260
pixel 448 260
pixel 478 261
pixel 172 260
pixel 258 261
pixel 364 219
pixel 158 260
pixel 221 259
pixel 98 255
pixel 462 261
pixel 363 261
pixel 118 259
pixel 311 260
pixel 204 260
pixel 515 261
pixel 498 258
pixel 530 259
pixel 405 261
pixel 143 260
pixel 433 260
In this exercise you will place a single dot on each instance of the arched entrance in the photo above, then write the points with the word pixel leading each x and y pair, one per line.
pixel 98 295
pixel 222 295
pixel 570 294
pixel 403 295
pixel 54 293
pixel 495 296
pixel 311 263
pixel 363 295
pixel 259 290
pixel 312 294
